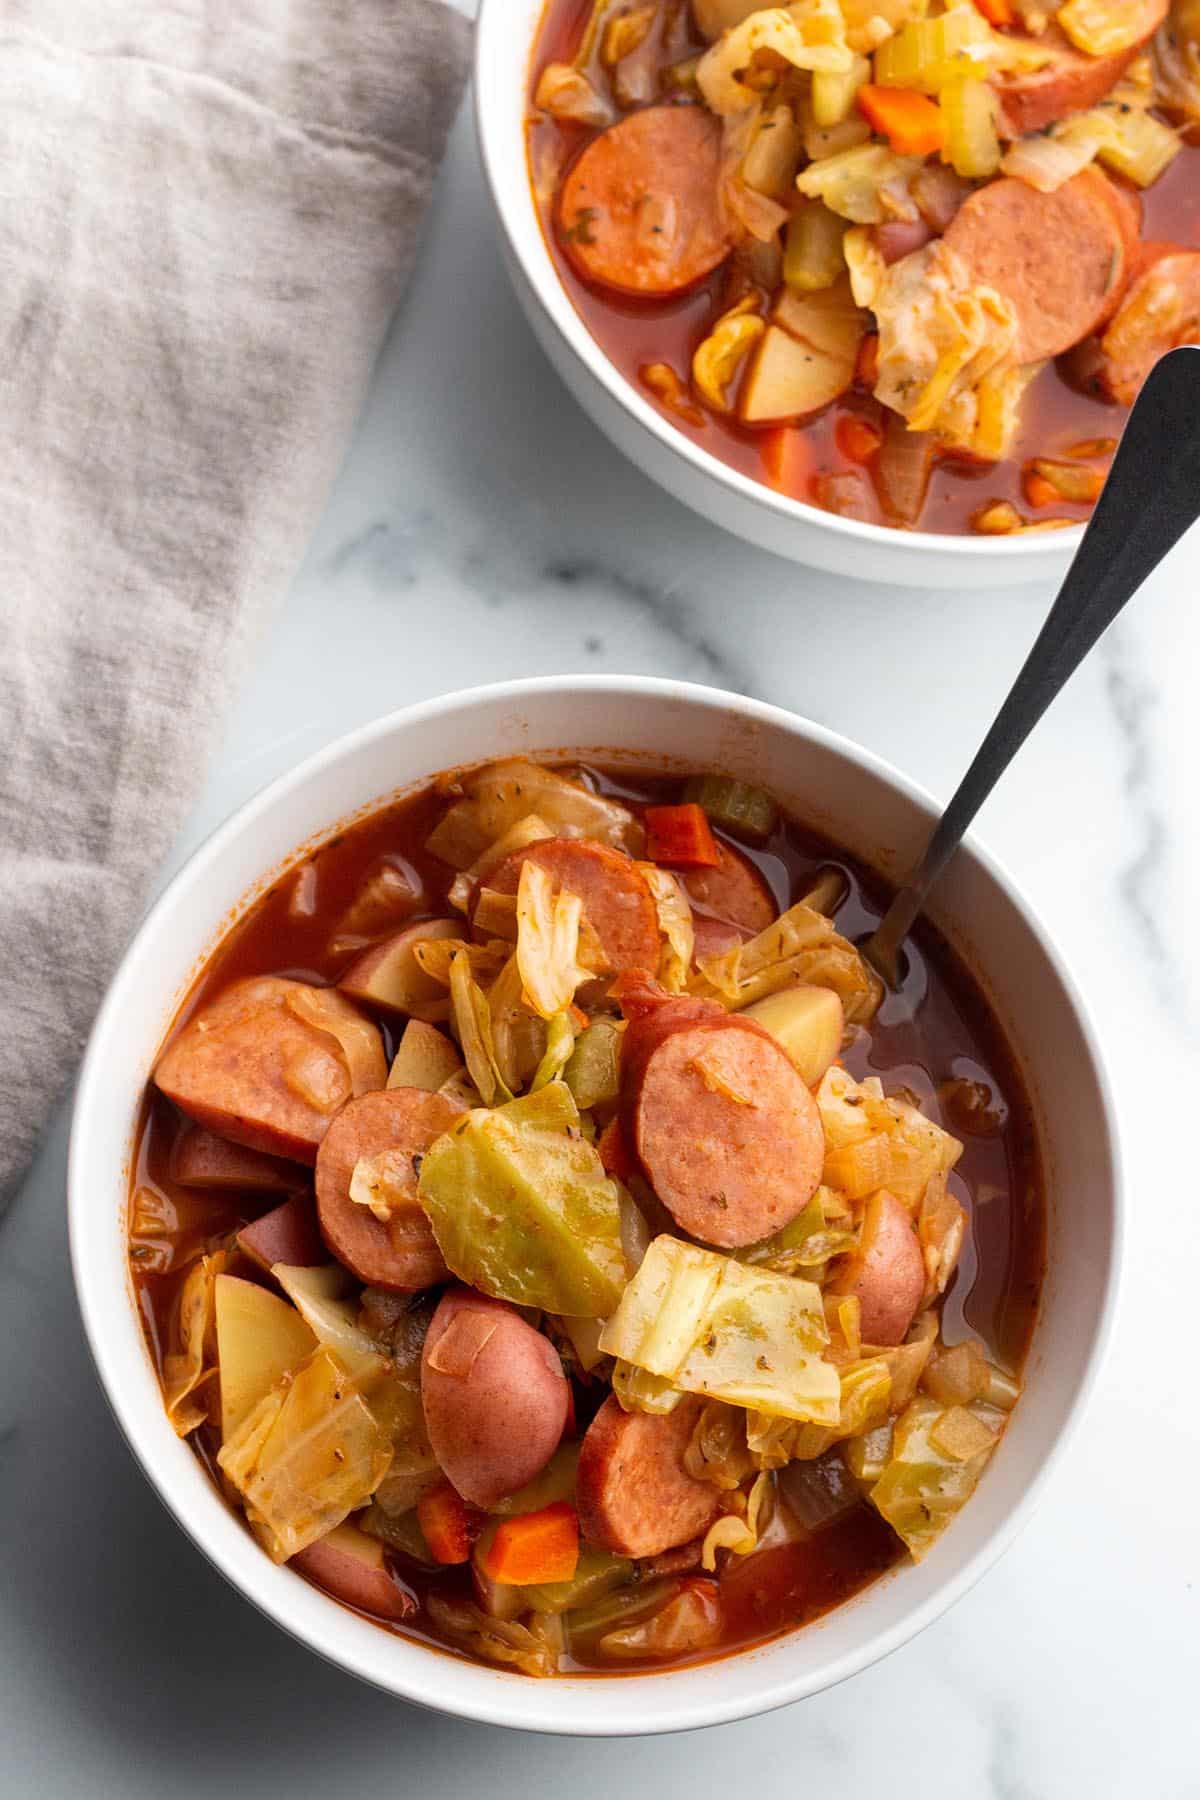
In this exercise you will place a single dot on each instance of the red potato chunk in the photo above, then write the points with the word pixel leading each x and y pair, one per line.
pixel 888 1274
pixel 352 1567
pixel 494 1394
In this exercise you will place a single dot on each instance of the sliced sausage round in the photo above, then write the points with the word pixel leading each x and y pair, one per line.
pixel 494 1395
pixel 733 892
pixel 617 902
pixel 1070 81
pixel 401 1254
pixel 1160 309
pixel 888 1273
pixel 640 210
pixel 1060 258
pixel 634 1495
pixel 727 1132
pixel 252 1069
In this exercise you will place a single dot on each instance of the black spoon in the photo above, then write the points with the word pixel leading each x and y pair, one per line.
pixel 1150 498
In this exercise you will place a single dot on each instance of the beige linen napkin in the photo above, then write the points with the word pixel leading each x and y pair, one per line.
pixel 208 210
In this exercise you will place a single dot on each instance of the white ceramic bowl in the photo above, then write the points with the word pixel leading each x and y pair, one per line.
pixel 807 534
pixel 876 814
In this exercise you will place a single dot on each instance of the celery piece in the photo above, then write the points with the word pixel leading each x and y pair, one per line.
pixel 592 1071
pixel 743 811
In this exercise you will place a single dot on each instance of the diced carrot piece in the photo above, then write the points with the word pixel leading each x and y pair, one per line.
pixel 787 460
pixel 449 1525
pixel 534 1547
pixel 1038 490
pixel 996 12
pixel 614 1152
pixel 866 369
pixel 681 837
pixel 911 122
pixel 856 438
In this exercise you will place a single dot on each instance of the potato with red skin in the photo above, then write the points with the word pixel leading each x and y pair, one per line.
pixel 352 1567
pixel 632 1491
pixel 201 1159
pixel 494 1394
pixel 289 1235
pixel 389 976
pixel 887 1275
pixel 245 1064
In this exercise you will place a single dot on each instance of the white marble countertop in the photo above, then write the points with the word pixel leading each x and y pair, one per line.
pixel 483 529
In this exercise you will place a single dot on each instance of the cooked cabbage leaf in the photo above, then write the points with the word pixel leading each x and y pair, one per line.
pixel 711 1326
pixel 521 1207
pixel 810 34
pixel 873 1142
pixel 933 1469
pixel 548 923
pixel 191 1362
pixel 800 946
pixel 866 1388
pixel 502 794
pixel 309 1454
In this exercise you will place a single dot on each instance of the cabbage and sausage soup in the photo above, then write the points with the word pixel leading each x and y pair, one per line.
pixel 907 260
pixel 557 1246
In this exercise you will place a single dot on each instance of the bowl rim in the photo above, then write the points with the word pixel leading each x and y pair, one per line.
pixel 521 1703
pixel 517 215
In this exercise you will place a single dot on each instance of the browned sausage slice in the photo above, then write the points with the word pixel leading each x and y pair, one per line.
pixel 1160 309
pixel 1060 258
pixel 253 1069
pixel 888 1273
pixel 715 936
pixel 632 1491
pixel 734 892
pixel 726 1130
pixel 1070 82
pixel 201 1159
pixel 288 1235
pixel 617 901
pixel 401 1254
pixel 640 210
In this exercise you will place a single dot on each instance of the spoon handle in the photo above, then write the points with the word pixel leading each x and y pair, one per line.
pixel 1151 497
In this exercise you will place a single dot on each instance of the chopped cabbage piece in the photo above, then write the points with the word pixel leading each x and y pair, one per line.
pixel 518 1035
pixel 927 1478
pixel 801 945
pixel 567 93
pixel 712 1326
pixel 717 1452
pixel 810 34
pixel 309 1454
pixel 499 795
pixel 866 1389
pixel 521 1207
pixel 720 355
pixel 191 1362
pixel 527 1648
pixel 322 1297
pixel 867 184
pixel 675 923
pixel 1106 27
pixel 639 1391
pixel 945 346
pixel 811 1239
pixel 873 1142
pixel 736 1533
pixel 560 1045
pixel 473 1028
pixel 526 831
pixel 547 943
